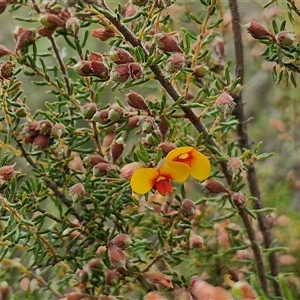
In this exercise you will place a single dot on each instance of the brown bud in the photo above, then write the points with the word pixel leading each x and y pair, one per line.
pixel 135 70
pixel 175 62
pixel 188 208
pixel 102 168
pixel 200 71
pixel 196 242
pixel 7 172
pixel 42 141
pixel 239 199
pixel 28 139
pixel 32 128
pixel 4 51
pixel 235 164
pixel 73 25
pixel 127 170
pixel 130 11
pixel 120 56
pixel 116 256
pixel 157 277
pixel 51 21
pixel 163 126
pixel 115 114
pixel 219 47
pixel 155 295
pixel 3 5
pixel 103 33
pixel 95 56
pixel 94 263
pixel 101 116
pixel 137 101
pixel 45 127
pixel 83 68
pixel 25 37
pixel 147 124
pixel 112 277
pixel 257 30
pixel 166 147
pixel 120 73
pixel 167 42
pixel 77 191
pixel 45 31
pixel 58 130
pixel 121 241
pixel 285 38
pixel 99 69
pixel 116 149
pixel 94 159
pixel 4 290
pixel 82 276
pixel 7 69
pixel 133 121
pixel 75 296
pixel 88 110
pixel 214 186
pixel 225 103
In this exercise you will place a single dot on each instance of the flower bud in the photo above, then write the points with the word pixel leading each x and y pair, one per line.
pixel 45 31
pixel 133 121
pixel 75 296
pixel 130 11
pixel 4 290
pixel 285 38
pixel 121 241
pixel 83 68
pixel 7 172
pixel 219 47
pixel 239 199
pixel 3 5
pixel 120 56
pixel 224 103
pixel 103 168
pixel 214 186
pixel 24 38
pixel 7 69
pixel 116 256
pixel 73 25
pixel 137 101
pixel 99 69
pixel 163 127
pixel 58 130
pixel 101 116
pixel 175 62
pixel 116 149
pixel 120 73
pixel 94 159
pixel 167 42
pixel 77 192
pixel 200 71
pixel 94 263
pixel 95 56
pixel 88 110
pixel 115 114
pixel 157 277
pixel 41 141
pixel 147 125
pixel 51 20
pixel 21 112
pixel 103 33
pixel 154 295
pixel 45 127
pixel 135 70
pixel 127 170
pixel 196 242
pixel 4 51
pixel 257 30
pixel 112 277
pixel 188 208
pixel 235 164
pixel 32 128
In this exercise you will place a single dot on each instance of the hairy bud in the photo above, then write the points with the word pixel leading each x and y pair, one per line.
pixel 120 73
pixel 196 242
pixel 77 191
pixel 167 42
pixel 175 62
pixel 214 186
pixel 257 30
pixel 7 172
pixel 103 33
pixel 7 69
pixel 88 110
pixel 137 101
pixel 188 208
pixel 127 170
pixel 285 38
pixel 120 56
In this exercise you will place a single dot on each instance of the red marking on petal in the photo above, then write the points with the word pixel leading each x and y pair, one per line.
pixel 163 187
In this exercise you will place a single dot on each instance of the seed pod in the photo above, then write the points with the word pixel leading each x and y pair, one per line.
pixel 4 290
pixel 225 103
pixel 200 71
pixel 45 31
pixel 157 277
pixel 32 128
pixel 75 296
pixel 235 164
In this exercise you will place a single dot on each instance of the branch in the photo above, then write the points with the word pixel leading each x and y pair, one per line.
pixel 244 144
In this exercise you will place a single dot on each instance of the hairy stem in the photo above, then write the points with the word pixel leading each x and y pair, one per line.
pixel 244 144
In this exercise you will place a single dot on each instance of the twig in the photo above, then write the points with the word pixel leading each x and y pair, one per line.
pixel 244 144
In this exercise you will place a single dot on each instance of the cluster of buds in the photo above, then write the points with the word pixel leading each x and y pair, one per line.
pixel 6 70
pixel 94 66
pixel 23 37
pixel 126 67
pixel 167 42
pixel 40 133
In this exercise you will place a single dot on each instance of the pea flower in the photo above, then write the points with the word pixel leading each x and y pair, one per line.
pixel 198 163
pixel 145 179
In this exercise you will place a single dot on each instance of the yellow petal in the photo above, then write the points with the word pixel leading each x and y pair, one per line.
pixel 178 154
pixel 175 171
pixel 200 166
pixel 143 180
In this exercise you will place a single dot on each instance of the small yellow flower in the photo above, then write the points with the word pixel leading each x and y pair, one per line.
pixel 198 163
pixel 145 179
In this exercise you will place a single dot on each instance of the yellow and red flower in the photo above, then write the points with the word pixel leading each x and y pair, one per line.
pixel 145 179
pixel 180 164
pixel 198 163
